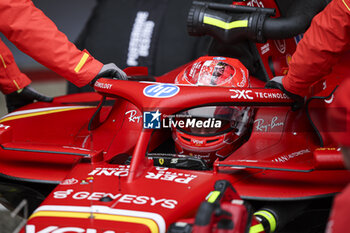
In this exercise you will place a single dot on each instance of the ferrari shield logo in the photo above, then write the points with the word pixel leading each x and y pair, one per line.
pixel 161 161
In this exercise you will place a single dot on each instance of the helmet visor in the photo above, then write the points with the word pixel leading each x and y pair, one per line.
pixel 212 120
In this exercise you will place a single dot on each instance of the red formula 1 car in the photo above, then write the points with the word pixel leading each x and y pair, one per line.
pixel 106 162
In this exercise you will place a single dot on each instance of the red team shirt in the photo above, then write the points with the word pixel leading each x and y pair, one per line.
pixel 33 33
pixel 323 44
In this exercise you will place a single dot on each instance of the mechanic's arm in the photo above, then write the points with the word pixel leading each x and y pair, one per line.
pixel 321 47
pixel 14 84
pixel 36 35
pixel 11 78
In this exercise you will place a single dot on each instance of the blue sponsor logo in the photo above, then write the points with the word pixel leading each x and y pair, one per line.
pixel 151 120
pixel 161 90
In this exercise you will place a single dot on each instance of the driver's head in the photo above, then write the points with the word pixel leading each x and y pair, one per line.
pixel 221 126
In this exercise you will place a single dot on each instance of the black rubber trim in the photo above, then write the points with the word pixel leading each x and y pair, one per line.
pixel 296 20
pixel 102 102
pixel 249 209
pixel 289 198
pixel 28 180
pixel 309 117
pixel 271 66
pixel 43 151
pixel 259 28
pixel 256 54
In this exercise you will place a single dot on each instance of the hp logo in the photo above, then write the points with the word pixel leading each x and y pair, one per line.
pixel 161 90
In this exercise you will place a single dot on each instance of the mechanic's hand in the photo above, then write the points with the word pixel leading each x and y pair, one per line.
pixel 23 97
pixel 110 70
pixel 276 83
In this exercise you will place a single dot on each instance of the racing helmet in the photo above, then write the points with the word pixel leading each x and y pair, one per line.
pixel 221 127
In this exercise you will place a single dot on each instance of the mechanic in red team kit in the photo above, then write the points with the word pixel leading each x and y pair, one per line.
pixel 338 221
pixel 36 35
pixel 321 48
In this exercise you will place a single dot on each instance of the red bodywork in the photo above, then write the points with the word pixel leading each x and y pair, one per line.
pixel 280 160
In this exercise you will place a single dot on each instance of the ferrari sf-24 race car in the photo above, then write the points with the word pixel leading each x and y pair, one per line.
pixel 203 148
